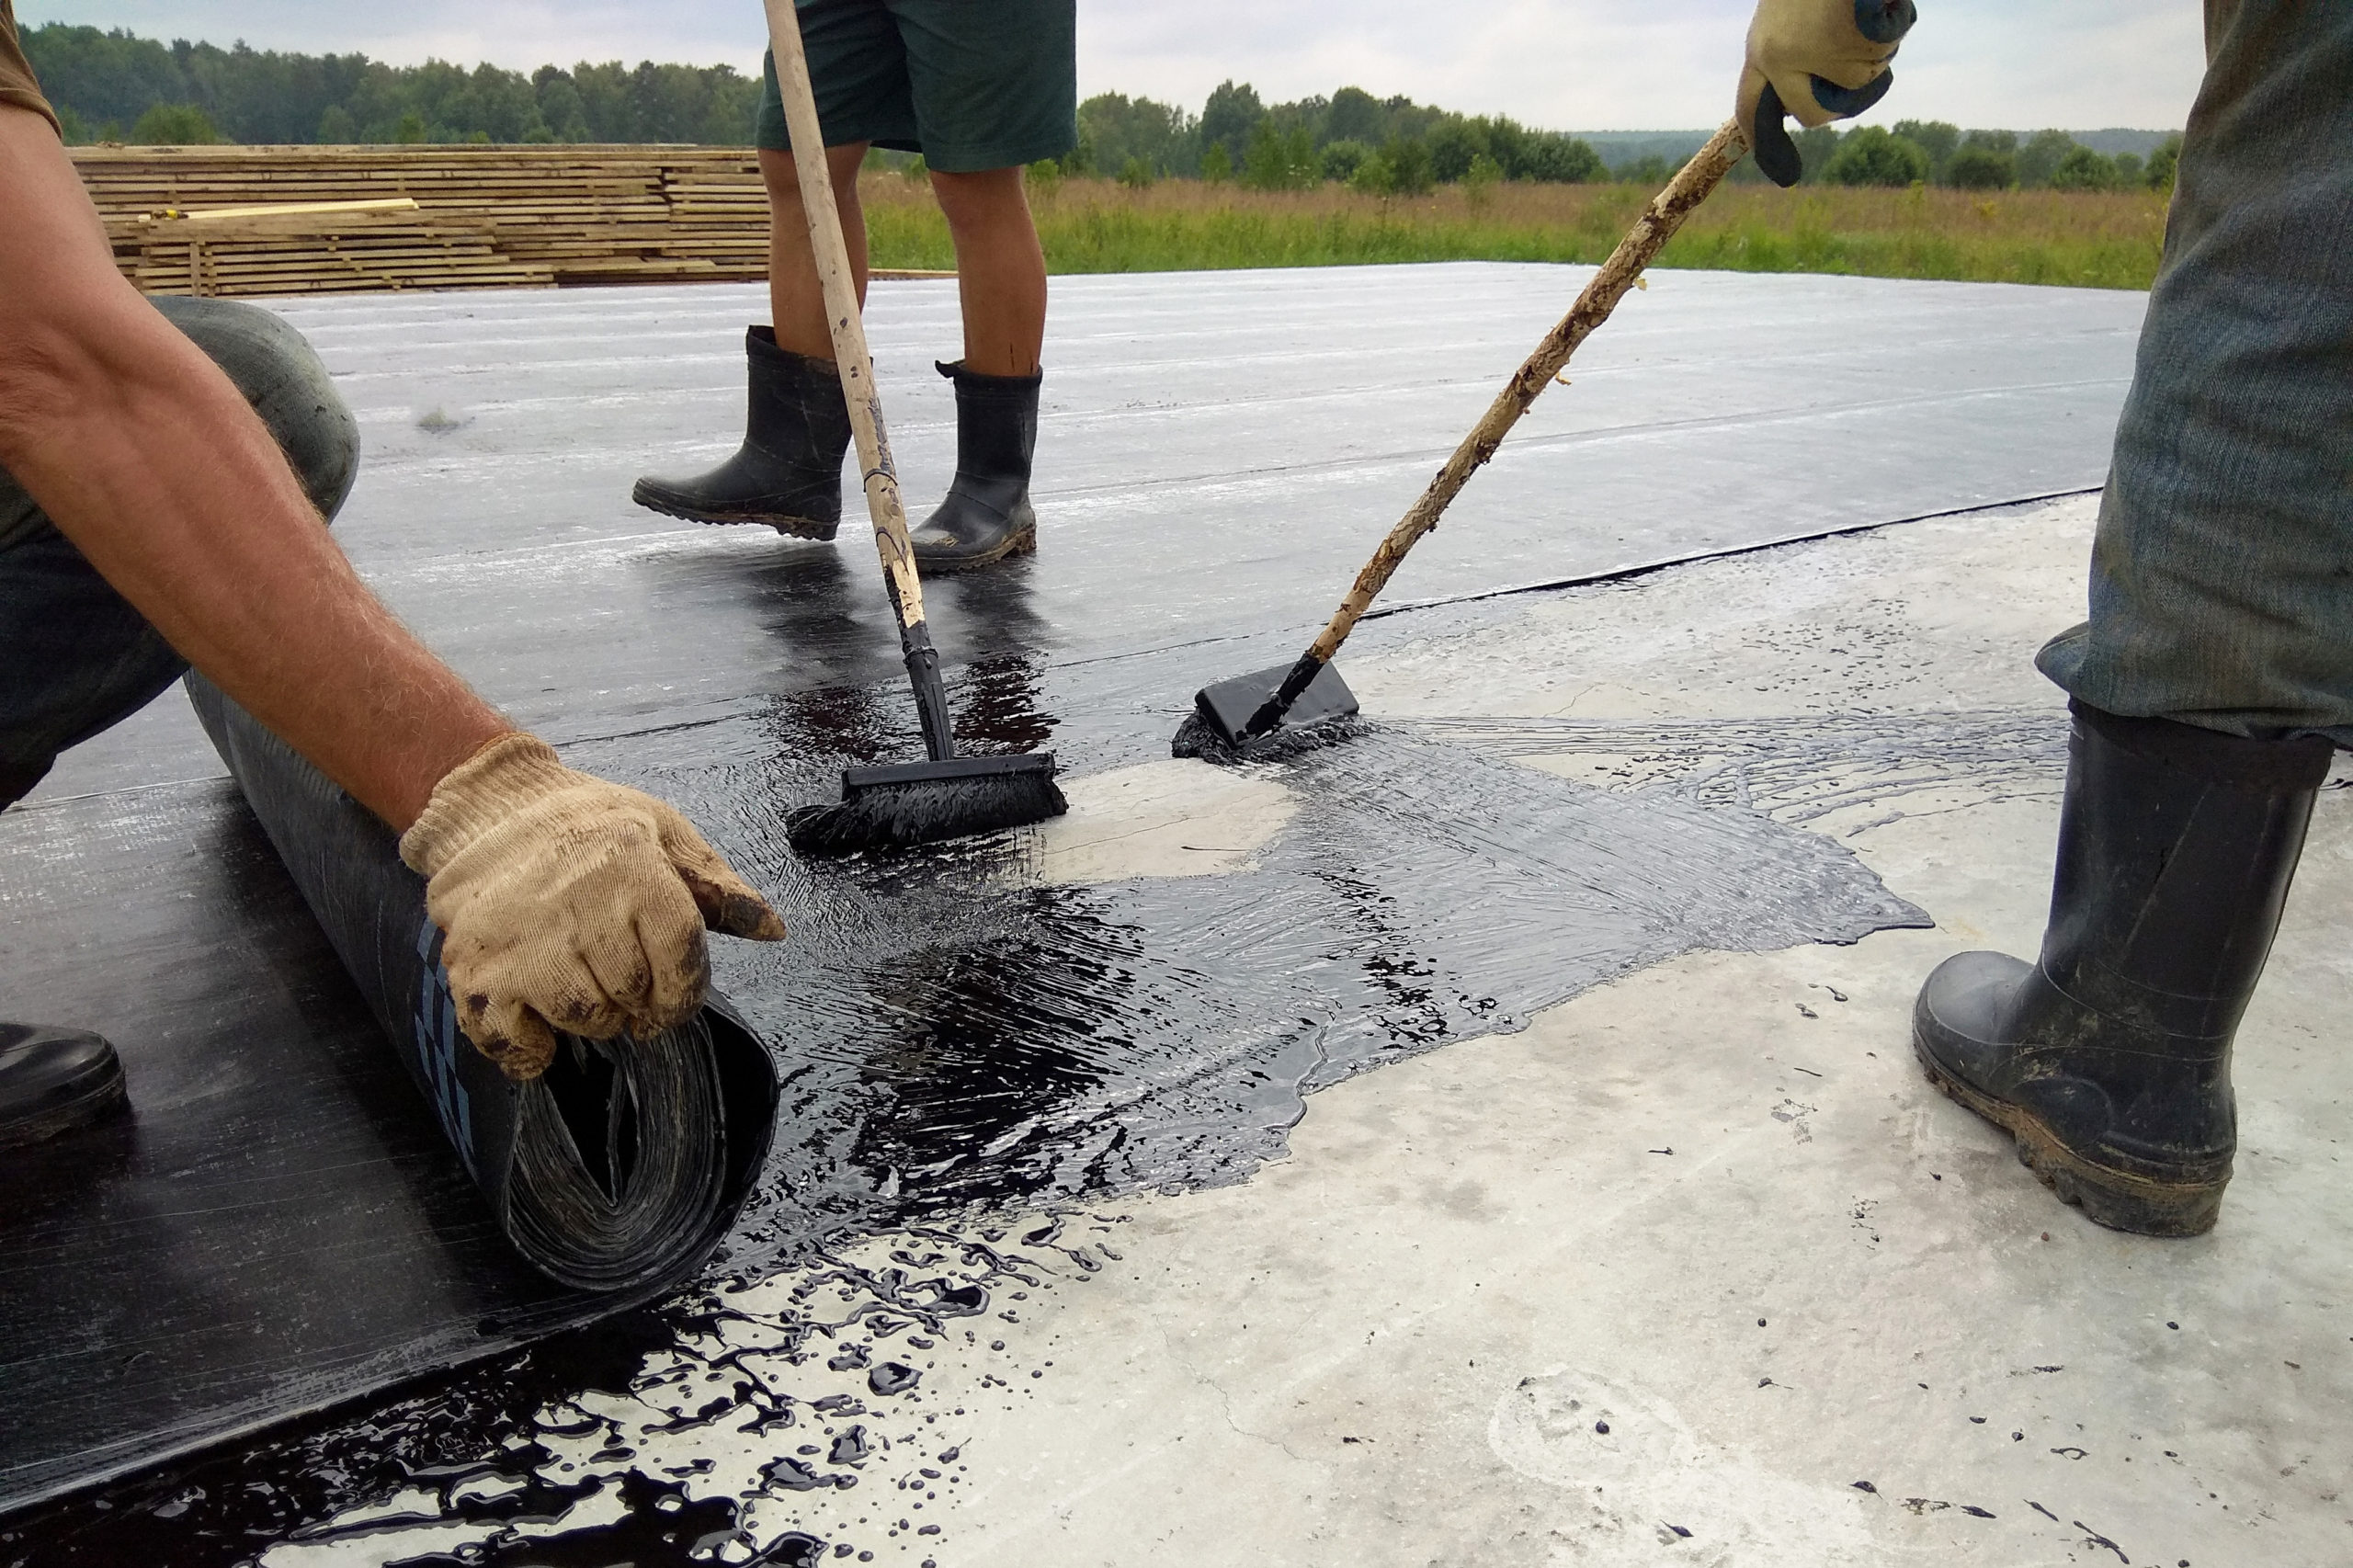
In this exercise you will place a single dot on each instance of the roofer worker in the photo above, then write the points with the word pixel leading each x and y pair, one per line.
pixel 980 90
pixel 164 470
pixel 2215 673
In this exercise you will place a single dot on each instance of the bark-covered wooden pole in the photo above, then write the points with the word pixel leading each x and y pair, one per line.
pixel 1651 231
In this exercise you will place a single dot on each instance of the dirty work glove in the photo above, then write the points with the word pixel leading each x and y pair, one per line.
pixel 566 902
pixel 1818 60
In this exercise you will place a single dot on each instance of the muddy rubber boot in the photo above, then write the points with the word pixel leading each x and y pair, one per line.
pixel 2109 1060
pixel 52 1081
pixel 986 515
pixel 787 473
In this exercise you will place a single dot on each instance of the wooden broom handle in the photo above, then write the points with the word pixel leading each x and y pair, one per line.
pixel 842 318
pixel 1653 229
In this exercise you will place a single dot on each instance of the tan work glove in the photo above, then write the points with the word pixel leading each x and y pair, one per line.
pixel 1818 60
pixel 566 902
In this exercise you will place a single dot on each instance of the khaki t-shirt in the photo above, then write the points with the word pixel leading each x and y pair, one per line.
pixel 17 88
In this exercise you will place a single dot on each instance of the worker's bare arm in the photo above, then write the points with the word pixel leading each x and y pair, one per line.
pixel 145 456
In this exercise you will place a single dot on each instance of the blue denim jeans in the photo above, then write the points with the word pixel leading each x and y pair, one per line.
pixel 2221 576
pixel 75 657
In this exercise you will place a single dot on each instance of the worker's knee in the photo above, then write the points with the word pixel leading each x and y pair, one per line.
pixel 278 372
pixel 987 198
pixel 782 177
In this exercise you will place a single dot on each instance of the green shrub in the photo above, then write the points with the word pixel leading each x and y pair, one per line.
pixel 1135 173
pixel 1343 158
pixel 2163 161
pixel 1937 137
pixel 1980 168
pixel 1456 144
pixel 1409 164
pixel 2041 158
pixel 2084 169
pixel 1651 170
pixel 1870 156
pixel 1280 160
pixel 1373 176
pixel 175 125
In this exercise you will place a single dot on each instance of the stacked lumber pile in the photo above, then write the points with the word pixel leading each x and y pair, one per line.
pixel 247 220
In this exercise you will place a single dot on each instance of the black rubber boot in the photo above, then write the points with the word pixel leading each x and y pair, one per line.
pixel 787 473
pixel 52 1081
pixel 2109 1060
pixel 986 515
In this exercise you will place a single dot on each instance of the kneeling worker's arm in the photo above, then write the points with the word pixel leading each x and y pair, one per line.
pixel 565 900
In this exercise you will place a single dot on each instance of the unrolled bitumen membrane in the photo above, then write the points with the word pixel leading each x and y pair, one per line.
pixel 953 1034
pixel 617 1168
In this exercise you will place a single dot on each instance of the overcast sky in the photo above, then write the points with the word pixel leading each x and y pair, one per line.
pixel 1563 65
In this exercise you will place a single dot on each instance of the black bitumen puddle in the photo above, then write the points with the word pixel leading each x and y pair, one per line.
pixel 960 1041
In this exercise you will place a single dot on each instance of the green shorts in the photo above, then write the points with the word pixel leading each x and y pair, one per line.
pixel 970 83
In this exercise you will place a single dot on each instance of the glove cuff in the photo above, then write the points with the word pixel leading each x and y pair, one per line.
pixel 516 768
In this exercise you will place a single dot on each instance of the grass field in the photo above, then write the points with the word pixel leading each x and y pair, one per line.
pixel 2084 239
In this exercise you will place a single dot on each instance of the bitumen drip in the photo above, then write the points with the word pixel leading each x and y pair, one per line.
pixel 956 1035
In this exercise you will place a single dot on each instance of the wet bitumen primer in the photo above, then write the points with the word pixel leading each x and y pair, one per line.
pixel 965 1041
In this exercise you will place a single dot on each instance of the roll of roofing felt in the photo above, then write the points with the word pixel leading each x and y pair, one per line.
pixel 623 1163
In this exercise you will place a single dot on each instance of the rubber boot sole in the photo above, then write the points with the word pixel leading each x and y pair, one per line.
pixel 101 1097
pixel 2117 1200
pixel 1022 543
pixel 783 523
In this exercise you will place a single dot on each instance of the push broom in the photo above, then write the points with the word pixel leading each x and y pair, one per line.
pixel 1299 698
pixel 946 796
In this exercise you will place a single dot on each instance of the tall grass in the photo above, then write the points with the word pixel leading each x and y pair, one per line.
pixel 2085 239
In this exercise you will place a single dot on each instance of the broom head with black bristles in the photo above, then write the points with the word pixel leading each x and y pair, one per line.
pixel 923 802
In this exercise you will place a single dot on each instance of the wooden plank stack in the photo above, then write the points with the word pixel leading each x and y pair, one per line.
pixel 483 217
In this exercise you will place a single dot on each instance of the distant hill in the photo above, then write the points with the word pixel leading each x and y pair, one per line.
pixel 1619 148
pixel 2114 140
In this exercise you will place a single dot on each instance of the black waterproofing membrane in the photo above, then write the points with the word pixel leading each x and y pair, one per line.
pixel 283 1220
pixel 617 1169
pixel 287 1223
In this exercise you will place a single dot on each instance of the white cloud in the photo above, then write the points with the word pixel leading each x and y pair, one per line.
pixel 1605 65
pixel 1570 64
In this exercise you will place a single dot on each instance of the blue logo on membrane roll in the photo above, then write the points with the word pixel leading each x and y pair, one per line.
pixel 439 1043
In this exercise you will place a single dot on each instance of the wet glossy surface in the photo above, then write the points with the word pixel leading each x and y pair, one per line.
pixel 1220 450
pixel 1217 454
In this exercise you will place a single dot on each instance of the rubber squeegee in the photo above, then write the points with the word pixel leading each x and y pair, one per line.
pixel 946 796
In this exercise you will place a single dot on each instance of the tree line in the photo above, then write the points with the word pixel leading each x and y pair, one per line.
pixel 113 86
pixel 1383 144
pixel 1934 152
